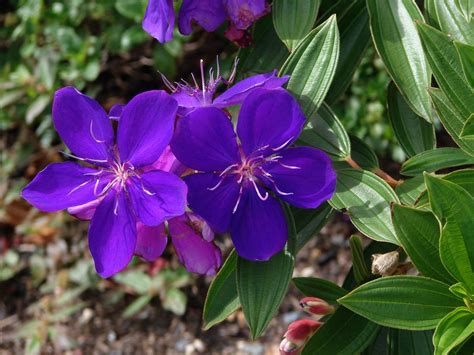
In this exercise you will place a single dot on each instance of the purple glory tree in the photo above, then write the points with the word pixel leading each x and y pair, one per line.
pixel 122 190
pixel 237 186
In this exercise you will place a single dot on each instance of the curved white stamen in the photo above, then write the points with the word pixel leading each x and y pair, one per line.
pixel 96 186
pixel 226 170
pixel 78 187
pixel 216 186
pixel 283 145
pixel 289 166
pixel 92 134
pixel 238 200
pixel 116 205
pixel 257 190
pixel 147 191
pixel 282 192
pixel 94 173
pixel 270 177
pixel 203 79
pixel 109 185
pixel 84 159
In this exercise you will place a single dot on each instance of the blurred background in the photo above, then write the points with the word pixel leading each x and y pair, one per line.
pixel 51 300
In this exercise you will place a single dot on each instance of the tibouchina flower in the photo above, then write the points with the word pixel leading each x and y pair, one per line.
pixel 237 186
pixel 190 97
pixel 118 193
pixel 159 17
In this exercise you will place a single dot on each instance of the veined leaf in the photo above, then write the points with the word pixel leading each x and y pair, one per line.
pixel 362 154
pixel 419 233
pixel 436 159
pixel 324 289
pixel 453 329
pixel 392 24
pixel 409 190
pixel 294 19
pixel 414 134
pixel 467 131
pixel 312 66
pixel 367 199
pixel 409 342
pixel 466 7
pixel 402 302
pixel 466 56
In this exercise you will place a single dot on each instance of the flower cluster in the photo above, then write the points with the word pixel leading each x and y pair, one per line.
pixel 159 17
pixel 179 150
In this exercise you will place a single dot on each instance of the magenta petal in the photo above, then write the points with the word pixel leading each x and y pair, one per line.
pixel 62 185
pixel 196 254
pixel 209 14
pixel 215 205
pixel 205 140
pixel 151 241
pixel 269 118
pixel 146 127
pixel 82 124
pixel 159 20
pixel 258 228
pixel 206 231
pixel 167 162
pixel 157 196
pixel 243 13
pixel 238 92
pixel 112 235
pixel 303 177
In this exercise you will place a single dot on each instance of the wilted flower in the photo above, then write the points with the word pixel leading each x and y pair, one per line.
pixel 316 306
pixel 237 184
pixel 297 334
pixel 119 192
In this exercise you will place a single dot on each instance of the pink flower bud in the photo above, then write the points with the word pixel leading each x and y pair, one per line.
pixel 298 332
pixel 316 306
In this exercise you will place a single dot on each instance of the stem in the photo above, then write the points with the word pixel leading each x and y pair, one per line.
pixel 390 180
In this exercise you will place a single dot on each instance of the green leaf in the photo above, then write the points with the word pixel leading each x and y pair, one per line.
pixel 175 301
pixel 312 66
pixel 409 190
pixel 132 9
pixel 344 333
pixel 294 19
pixel 460 291
pixel 222 299
pixel 466 56
pixel 453 329
pixel 405 342
pixel 136 306
pixel 450 19
pixel 309 222
pixel 455 208
pixel 315 287
pixel 359 268
pixel 362 154
pixel 467 131
pixel 353 24
pixel 326 132
pixel 414 134
pixel 452 120
pixel 398 44
pixel 11 97
pixel 436 159
pixel 138 281
pixel 367 198
pixel 36 108
pixel 402 302
pixel 419 233
pixel 447 68
pixel 466 7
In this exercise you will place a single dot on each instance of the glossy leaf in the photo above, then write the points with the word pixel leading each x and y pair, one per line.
pixel 402 302
pixel 414 134
pixel 409 190
pixel 359 268
pixel 455 208
pixel 315 287
pixel 453 329
pixel 312 66
pixel 406 342
pixel 326 132
pixel 392 24
pixel 466 56
pixel 222 299
pixel 367 199
pixel 354 32
pixel 467 131
pixel 362 154
pixel 419 233
pixel 466 7
pixel 343 333
pixel 294 19
pixel 436 159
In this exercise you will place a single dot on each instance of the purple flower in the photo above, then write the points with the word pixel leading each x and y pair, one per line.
pixel 118 193
pixel 243 13
pixel 191 97
pixel 159 20
pixel 209 14
pixel 236 188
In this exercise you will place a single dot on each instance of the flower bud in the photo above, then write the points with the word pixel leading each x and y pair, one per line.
pixel 316 306
pixel 385 264
pixel 298 332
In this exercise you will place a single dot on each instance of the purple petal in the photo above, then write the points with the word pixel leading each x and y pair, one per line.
pixel 243 13
pixel 157 196
pixel 258 227
pixel 215 205
pixel 151 241
pixel 159 20
pixel 82 124
pixel 146 127
pixel 206 231
pixel 167 162
pixel 205 140
pixel 303 177
pixel 115 112
pixel 196 254
pixel 62 185
pixel 186 100
pixel 238 92
pixel 112 235
pixel 269 118
pixel 85 211
pixel 209 14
